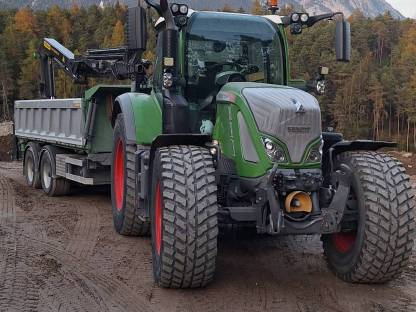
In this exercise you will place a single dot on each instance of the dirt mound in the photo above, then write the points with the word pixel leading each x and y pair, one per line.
pixel 7 142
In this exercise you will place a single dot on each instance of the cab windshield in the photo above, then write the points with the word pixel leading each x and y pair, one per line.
pixel 219 42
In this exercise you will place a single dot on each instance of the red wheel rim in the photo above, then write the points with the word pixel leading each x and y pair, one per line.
pixel 158 218
pixel 119 175
pixel 344 241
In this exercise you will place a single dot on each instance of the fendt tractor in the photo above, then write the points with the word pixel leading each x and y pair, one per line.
pixel 216 132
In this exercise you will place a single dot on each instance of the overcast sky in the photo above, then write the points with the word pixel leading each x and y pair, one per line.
pixel 406 7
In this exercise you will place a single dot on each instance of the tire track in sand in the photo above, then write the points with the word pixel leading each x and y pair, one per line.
pixel 86 231
pixel 108 293
pixel 17 290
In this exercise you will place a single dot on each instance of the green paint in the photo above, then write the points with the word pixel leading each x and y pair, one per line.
pixel 226 132
pixel 148 117
pixel 103 95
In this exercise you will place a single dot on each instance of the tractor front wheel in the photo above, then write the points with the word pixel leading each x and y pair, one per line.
pixel 377 231
pixel 184 217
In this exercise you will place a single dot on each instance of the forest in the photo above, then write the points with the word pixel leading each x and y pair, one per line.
pixel 372 97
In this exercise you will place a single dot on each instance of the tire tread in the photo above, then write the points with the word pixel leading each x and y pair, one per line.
pixel 190 225
pixel 390 224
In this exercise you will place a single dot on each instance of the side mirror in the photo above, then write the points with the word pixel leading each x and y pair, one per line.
pixel 136 29
pixel 343 41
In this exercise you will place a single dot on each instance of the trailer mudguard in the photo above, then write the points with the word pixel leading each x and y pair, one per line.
pixel 142 117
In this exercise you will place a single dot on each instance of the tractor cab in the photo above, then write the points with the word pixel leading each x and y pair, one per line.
pixel 219 48
pixel 225 47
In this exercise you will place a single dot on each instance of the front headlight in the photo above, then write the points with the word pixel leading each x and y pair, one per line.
pixel 274 151
pixel 315 153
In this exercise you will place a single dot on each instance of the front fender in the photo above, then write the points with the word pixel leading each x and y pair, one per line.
pixel 357 145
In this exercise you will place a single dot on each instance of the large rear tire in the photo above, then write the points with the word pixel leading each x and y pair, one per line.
pixel 375 245
pixel 184 217
pixel 126 204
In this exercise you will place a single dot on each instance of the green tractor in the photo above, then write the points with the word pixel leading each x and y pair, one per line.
pixel 224 138
pixel 222 135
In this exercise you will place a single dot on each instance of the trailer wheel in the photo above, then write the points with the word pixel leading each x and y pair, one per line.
pixel 51 184
pixel 30 168
pixel 126 214
pixel 184 217
pixel 377 234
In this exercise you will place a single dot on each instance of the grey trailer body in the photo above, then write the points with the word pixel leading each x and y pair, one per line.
pixel 58 127
pixel 57 121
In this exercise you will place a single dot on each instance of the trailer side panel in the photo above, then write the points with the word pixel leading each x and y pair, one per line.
pixel 57 121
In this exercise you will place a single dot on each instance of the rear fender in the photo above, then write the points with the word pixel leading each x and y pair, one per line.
pixel 142 117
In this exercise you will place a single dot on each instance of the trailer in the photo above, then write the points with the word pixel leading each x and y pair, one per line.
pixel 222 134
pixel 74 134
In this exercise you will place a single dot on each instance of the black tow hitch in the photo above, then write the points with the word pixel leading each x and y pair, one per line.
pixel 273 221
pixel 332 216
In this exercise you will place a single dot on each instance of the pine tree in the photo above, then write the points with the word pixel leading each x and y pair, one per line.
pixel 257 8
pixel 117 38
pixel 29 75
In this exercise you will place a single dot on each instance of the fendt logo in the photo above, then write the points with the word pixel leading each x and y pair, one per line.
pixel 299 107
pixel 298 129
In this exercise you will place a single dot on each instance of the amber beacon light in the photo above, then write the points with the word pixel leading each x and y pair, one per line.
pixel 273 5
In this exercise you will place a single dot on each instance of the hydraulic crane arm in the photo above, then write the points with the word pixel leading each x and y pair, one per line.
pixel 116 63
pixel 106 63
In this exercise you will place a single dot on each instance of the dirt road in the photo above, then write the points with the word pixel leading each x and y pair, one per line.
pixel 62 254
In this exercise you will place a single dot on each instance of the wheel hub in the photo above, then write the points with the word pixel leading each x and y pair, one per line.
pixel 30 170
pixel 344 242
pixel 47 175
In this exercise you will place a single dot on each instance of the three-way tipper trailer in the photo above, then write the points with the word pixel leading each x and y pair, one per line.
pixel 216 132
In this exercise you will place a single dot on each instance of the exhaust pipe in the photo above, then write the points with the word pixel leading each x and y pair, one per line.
pixel 298 202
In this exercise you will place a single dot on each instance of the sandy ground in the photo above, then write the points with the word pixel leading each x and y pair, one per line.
pixel 62 254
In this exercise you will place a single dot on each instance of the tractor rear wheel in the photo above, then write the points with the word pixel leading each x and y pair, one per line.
pixel 184 217
pixel 377 233
pixel 125 202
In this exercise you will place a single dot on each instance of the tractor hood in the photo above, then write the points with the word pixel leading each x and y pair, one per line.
pixel 287 114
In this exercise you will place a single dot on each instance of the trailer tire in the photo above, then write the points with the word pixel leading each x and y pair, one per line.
pixel 51 184
pixel 127 216
pixel 31 166
pixel 184 217
pixel 380 247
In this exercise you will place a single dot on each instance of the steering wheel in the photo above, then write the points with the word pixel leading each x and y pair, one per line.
pixel 236 65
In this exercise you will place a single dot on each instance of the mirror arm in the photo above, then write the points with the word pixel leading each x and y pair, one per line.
pixel 287 21
pixel 317 18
